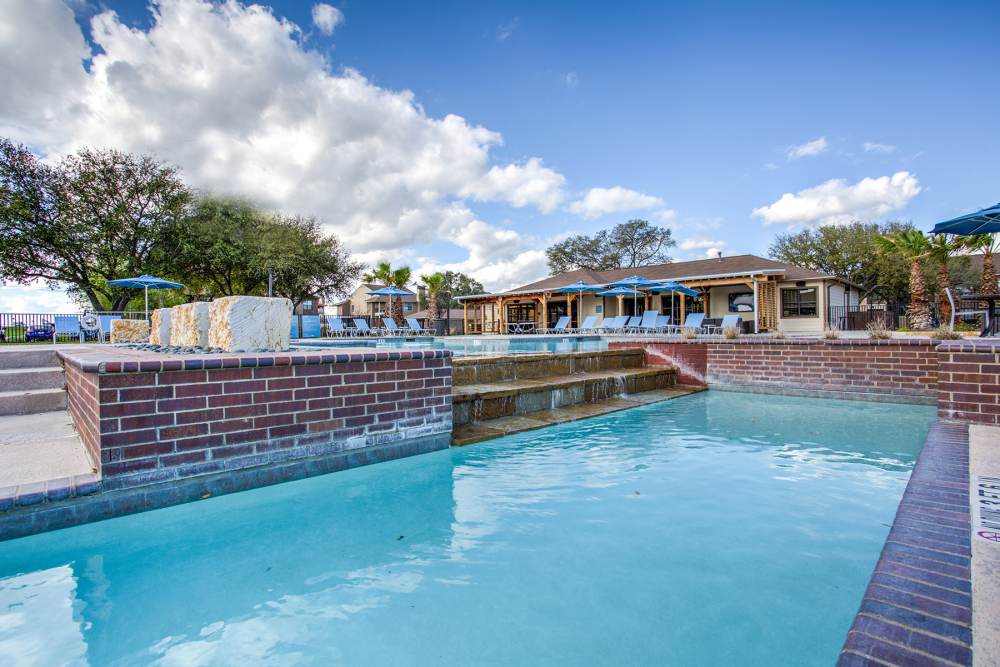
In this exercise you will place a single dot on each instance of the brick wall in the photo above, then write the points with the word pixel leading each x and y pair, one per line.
pixel 906 369
pixel 155 420
pixel 969 382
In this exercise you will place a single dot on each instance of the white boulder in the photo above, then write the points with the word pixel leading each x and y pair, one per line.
pixel 189 324
pixel 160 334
pixel 129 331
pixel 250 322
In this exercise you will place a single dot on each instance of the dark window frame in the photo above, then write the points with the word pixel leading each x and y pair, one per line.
pixel 787 307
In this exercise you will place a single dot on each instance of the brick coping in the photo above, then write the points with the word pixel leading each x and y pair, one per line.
pixel 917 608
pixel 764 339
pixel 108 359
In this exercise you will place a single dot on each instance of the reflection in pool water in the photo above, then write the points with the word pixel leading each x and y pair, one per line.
pixel 718 528
pixel 472 346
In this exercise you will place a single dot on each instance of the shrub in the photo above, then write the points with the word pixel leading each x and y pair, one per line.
pixel 731 332
pixel 779 334
pixel 944 333
pixel 689 333
pixel 831 333
pixel 878 330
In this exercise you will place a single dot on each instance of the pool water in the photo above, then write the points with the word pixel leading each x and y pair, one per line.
pixel 715 529
pixel 471 346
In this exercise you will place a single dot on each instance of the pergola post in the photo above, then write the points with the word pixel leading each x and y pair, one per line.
pixel 465 317
pixel 683 310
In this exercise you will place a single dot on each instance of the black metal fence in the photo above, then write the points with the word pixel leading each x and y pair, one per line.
pixel 41 327
pixel 859 316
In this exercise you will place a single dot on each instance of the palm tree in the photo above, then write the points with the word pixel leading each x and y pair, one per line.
pixel 940 249
pixel 434 283
pixel 384 274
pixel 986 244
pixel 913 245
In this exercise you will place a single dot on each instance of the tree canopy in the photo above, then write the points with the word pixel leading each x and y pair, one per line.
pixel 93 217
pixel 627 245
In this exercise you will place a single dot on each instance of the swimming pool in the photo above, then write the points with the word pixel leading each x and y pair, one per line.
pixel 463 347
pixel 714 529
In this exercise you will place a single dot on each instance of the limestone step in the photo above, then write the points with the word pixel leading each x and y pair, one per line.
pixel 466 434
pixel 510 367
pixel 22 379
pixel 40 447
pixel 477 402
pixel 32 401
pixel 18 356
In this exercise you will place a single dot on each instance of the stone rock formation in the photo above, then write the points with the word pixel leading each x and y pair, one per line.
pixel 189 324
pixel 129 331
pixel 160 334
pixel 250 323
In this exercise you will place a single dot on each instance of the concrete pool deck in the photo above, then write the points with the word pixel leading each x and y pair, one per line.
pixel 984 462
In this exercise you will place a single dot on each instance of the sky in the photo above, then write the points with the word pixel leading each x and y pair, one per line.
pixel 470 136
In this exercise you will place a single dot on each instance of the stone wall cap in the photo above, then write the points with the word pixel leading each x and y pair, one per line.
pixel 764 339
pixel 110 359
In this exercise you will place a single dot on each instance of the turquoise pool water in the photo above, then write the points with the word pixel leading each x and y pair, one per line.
pixel 472 346
pixel 716 529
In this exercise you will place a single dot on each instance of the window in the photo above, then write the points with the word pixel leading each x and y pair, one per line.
pixel 741 302
pixel 798 302
pixel 307 304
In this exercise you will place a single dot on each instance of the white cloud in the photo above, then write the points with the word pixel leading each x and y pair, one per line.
pixel 505 30
pixel 326 17
pixel 34 298
pixel 708 247
pixel 871 147
pixel 666 215
pixel 838 202
pixel 810 148
pixel 571 80
pixel 229 93
pixel 603 201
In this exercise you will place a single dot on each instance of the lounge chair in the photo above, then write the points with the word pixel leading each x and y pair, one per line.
pixel 562 326
pixel 335 326
pixel 67 325
pixel 393 329
pixel 663 323
pixel 731 322
pixel 104 326
pixel 695 322
pixel 632 326
pixel 615 324
pixel 363 329
pixel 416 328
pixel 588 324
pixel 592 327
pixel 648 322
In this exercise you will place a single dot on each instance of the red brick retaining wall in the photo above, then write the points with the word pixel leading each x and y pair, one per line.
pixel 969 382
pixel 899 368
pixel 153 420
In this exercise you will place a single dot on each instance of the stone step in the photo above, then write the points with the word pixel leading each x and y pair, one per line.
pixel 19 356
pixel 22 379
pixel 32 402
pixel 478 402
pixel 467 434
pixel 509 367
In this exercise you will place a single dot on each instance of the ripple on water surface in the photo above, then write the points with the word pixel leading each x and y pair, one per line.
pixel 714 529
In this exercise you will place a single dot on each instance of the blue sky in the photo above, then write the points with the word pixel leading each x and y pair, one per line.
pixel 710 111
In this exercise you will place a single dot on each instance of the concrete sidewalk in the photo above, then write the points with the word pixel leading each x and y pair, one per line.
pixel 984 462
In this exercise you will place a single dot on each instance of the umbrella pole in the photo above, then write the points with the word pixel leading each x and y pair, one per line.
pixel 147 302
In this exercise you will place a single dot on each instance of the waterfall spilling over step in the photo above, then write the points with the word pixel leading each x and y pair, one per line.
pixel 493 396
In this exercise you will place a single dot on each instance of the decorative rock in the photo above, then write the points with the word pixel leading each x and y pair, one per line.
pixel 160 334
pixel 249 322
pixel 189 325
pixel 129 331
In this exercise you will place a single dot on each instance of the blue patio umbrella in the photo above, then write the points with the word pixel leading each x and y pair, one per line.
pixel 390 292
pixel 672 287
pixel 145 282
pixel 635 282
pixel 985 221
pixel 581 288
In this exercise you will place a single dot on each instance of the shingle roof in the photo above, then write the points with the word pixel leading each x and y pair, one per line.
pixel 734 264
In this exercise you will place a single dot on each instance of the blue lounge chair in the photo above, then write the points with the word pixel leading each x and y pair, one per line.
pixel 731 322
pixel 363 329
pixel 695 322
pixel 562 326
pixel 416 328
pixel 104 326
pixel 67 325
pixel 632 326
pixel 393 329
pixel 663 323
pixel 335 326
pixel 648 322
pixel 588 324
pixel 615 324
